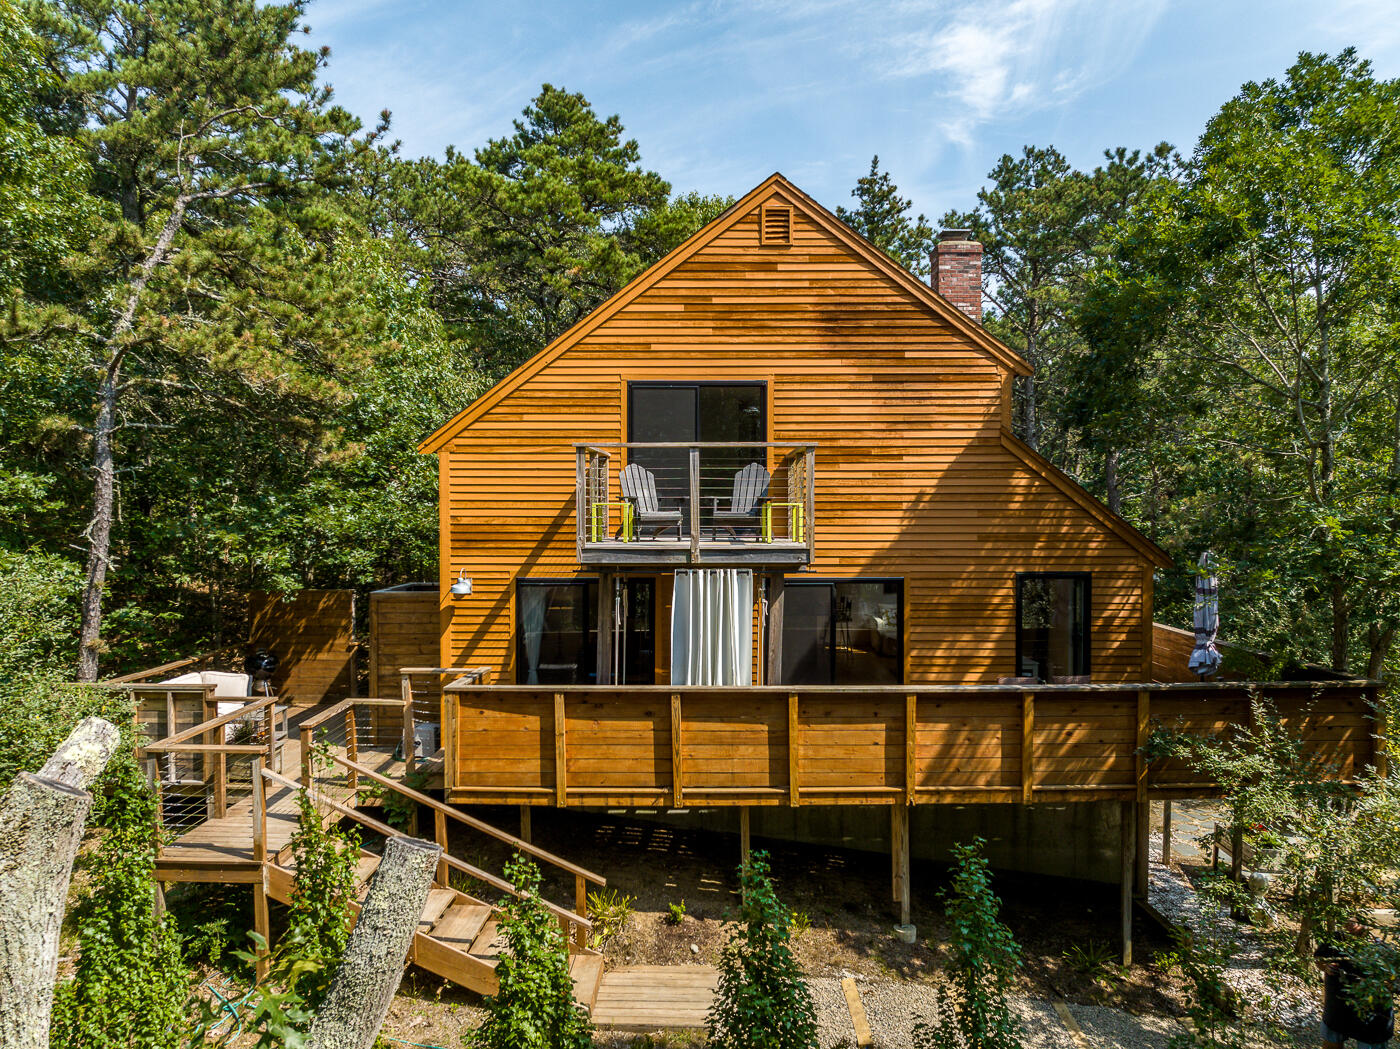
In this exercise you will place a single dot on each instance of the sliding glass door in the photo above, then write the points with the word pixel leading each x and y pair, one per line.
pixel 843 632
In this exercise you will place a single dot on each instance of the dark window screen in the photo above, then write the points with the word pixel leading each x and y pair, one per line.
pixel 556 639
pixel 1052 625
pixel 848 632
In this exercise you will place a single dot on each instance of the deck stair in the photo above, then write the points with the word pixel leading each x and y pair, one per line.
pixel 458 934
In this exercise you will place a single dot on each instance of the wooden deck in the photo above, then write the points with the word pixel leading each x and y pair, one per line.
pixel 221 849
pixel 644 998
pixel 649 746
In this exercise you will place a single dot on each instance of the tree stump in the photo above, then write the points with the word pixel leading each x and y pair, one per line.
pixel 42 818
pixel 374 958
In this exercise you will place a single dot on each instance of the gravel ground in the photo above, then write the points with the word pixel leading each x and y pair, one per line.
pixel 894 1007
pixel 1274 998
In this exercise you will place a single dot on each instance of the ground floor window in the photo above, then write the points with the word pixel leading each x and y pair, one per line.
pixel 1052 625
pixel 556 632
pixel 843 632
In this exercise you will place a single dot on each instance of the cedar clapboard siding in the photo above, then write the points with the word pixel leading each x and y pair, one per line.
pixel 914 477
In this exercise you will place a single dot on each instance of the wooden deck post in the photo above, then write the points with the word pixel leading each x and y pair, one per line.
pixel 261 920
pixel 794 752
pixel 607 606
pixel 899 859
pixel 744 835
pixel 561 776
pixel 677 763
pixel 308 744
pixel 581 909
pixel 1166 834
pixel 352 751
pixel 525 824
pixel 440 836
pixel 1027 747
pixel 406 693
pixel 1143 821
pixel 911 740
pixel 1127 845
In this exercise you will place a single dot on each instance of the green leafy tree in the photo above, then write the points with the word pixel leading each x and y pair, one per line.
pixel 985 960
pixel 44 204
pixel 883 217
pixel 762 1001
pixel 1267 273
pixel 130 985
pixel 534 1006
pixel 213 144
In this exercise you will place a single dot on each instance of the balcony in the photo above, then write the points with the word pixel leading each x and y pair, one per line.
pixel 695 503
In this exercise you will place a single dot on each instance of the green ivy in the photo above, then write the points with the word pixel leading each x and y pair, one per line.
pixel 130 986
pixel 762 1001
pixel 534 1006
pixel 976 1012
pixel 318 917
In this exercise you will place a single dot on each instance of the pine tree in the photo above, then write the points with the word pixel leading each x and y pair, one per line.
pixel 212 146
pixel 882 217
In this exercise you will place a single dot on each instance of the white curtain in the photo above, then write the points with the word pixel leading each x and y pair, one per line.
pixel 533 600
pixel 712 627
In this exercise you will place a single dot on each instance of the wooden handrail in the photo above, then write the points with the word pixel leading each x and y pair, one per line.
pixel 164 668
pixel 316 720
pixel 206 748
pixel 444 670
pixel 516 843
pixel 221 720
pixel 451 861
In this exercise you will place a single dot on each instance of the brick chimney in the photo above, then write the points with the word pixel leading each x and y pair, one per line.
pixel 955 271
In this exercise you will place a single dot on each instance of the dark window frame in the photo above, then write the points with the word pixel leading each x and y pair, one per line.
pixel 681 384
pixel 590 610
pixel 832 581
pixel 1086 646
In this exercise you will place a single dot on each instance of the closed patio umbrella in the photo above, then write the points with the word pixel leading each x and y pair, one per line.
pixel 1205 659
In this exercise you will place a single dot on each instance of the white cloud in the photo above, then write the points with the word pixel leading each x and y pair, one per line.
pixel 1014 56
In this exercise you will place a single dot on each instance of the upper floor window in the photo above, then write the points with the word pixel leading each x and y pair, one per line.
pixel 1052 625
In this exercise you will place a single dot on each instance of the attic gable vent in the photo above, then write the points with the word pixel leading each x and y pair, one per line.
pixel 775 225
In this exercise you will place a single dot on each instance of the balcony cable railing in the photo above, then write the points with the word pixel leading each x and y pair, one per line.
pixel 696 494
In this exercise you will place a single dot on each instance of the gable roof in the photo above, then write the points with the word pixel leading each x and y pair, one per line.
pixel 1097 510
pixel 773 184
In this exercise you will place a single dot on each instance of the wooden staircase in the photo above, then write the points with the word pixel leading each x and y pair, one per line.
pixel 458 935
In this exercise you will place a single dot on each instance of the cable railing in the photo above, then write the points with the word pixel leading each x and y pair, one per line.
pixel 203 772
pixel 755 495
pixel 575 924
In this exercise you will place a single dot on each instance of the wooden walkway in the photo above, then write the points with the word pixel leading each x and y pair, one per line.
pixel 642 998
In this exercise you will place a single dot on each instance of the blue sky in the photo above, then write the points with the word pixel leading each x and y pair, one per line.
pixel 720 94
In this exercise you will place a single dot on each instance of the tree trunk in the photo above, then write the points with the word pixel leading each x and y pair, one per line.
pixel 104 486
pixel 42 818
pixel 374 958
pixel 1341 627
pixel 1110 476
pixel 1379 640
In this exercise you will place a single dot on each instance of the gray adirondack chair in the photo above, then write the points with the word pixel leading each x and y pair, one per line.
pixel 639 485
pixel 745 501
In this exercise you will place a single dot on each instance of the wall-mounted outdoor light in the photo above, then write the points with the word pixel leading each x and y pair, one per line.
pixel 463 586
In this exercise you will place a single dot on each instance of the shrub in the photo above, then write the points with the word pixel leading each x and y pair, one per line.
pixel 610 911
pixel 130 984
pixel 675 913
pixel 534 1005
pixel 762 1001
pixel 318 916
pixel 975 1013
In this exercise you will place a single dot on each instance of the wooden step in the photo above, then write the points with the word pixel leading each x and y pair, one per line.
pixel 484 946
pixel 587 973
pixel 365 868
pixel 459 926
pixel 438 902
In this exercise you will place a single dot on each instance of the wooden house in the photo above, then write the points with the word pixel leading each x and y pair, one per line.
pixel 756 533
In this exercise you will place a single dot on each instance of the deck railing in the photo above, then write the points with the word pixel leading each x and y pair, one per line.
pixel 198 774
pixel 679 746
pixel 741 501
